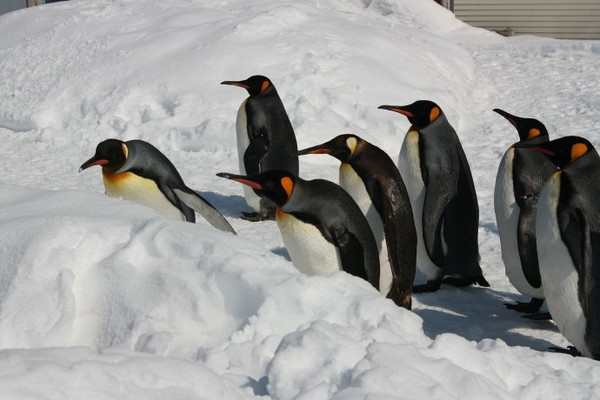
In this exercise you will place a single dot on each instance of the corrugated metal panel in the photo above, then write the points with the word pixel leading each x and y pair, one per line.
pixel 576 19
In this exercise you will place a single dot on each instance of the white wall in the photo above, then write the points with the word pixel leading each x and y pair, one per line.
pixel 11 5
pixel 572 19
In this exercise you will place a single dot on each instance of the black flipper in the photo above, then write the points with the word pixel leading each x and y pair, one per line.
pixel 437 197
pixel 204 208
pixel 351 253
pixel 400 241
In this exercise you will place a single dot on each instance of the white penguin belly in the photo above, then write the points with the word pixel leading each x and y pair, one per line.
pixel 559 277
pixel 353 184
pixel 241 128
pixel 409 165
pixel 310 252
pixel 507 219
pixel 141 190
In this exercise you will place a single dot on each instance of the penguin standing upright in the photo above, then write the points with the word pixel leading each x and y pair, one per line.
pixel 265 139
pixel 439 182
pixel 521 175
pixel 137 171
pixel 568 241
pixel 370 176
pixel 322 228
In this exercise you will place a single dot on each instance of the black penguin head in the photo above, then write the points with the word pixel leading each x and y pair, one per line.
pixel 255 85
pixel 528 128
pixel 341 147
pixel 111 154
pixel 421 113
pixel 276 185
pixel 566 150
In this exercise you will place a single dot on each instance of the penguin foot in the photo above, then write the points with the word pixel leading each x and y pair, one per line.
pixel 569 350
pixel 461 281
pixel 256 217
pixel 430 286
pixel 532 307
pixel 544 316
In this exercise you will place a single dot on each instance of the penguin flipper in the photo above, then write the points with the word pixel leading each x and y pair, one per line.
pixel 204 208
pixel 350 251
pixel 255 152
pixel 400 245
pixel 436 201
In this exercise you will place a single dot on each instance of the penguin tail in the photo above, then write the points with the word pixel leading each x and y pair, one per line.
pixel 204 208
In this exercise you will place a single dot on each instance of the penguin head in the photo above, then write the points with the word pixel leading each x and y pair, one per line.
pixel 276 185
pixel 566 150
pixel 421 113
pixel 528 128
pixel 111 154
pixel 255 85
pixel 341 147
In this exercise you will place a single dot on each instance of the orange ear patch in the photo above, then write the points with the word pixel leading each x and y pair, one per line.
pixel 125 150
pixel 351 142
pixel 288 185
pixel 533 133
pixel 264 86
pixel 578 150
pixel 434 114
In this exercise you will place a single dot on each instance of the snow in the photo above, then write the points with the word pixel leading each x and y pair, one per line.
pixel 101 298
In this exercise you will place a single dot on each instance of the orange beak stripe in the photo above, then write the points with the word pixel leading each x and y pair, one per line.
pixel 247 182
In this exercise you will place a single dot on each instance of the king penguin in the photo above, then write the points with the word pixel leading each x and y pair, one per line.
pixel 370 176
pixel 568 241
pixel 138 171
pixel 265 139
pixel 521 175
pixel 442 193
pixel 322 228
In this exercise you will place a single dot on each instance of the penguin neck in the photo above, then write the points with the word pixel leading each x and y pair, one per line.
pixel 441 120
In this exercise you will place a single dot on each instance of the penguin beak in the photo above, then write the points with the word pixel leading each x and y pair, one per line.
pixel 398 109
pixel 509 117
pixel 319 149
pixel 236 83
pixel 241 179
pixel 91 162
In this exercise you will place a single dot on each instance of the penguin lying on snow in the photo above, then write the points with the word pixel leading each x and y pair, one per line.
pixel 322 228
pixel 138 171
pixel 372 179
pixel 568 241
pixel 265 139
pixel 520 177
pixel 439 182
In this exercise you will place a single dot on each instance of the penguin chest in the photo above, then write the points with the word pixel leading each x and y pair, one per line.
pixel 241 127
pixel 559 277
pixel 354 185
pixel 409 165
pixel 310 252
pixel 507 219
pixel 130 186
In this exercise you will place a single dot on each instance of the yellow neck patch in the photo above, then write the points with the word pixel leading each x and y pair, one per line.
pixel 578 150
pixel 264 86
pixel 288 185
pixel 434 114
pixel 533 133
pixel 351 143
pixel 125 150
